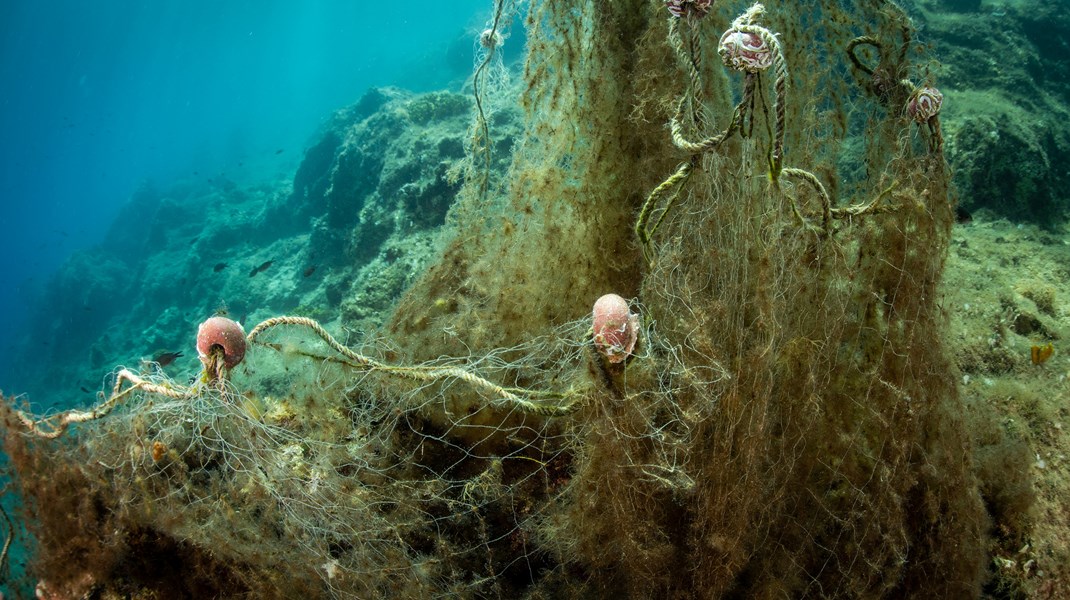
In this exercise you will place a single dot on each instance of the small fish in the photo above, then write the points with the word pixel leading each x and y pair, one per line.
pixel 262 267
pixel 309 271
pixel 164 358
pixel 279 151
pixel 85 389
pixel 219 267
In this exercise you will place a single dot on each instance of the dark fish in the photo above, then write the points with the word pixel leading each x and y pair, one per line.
pixel 279 151
pixel 962 216
pixel 165 358
pixel 310 270
pixel 85 389
pixel 219 267
pixel 263 267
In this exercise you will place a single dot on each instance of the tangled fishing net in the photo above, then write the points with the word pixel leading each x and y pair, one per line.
pixel 774 415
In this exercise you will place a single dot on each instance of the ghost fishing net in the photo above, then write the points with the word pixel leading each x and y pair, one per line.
pixel 335 473
pixel 774 416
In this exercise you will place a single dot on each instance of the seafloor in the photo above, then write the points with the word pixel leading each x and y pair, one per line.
pixel 1005 290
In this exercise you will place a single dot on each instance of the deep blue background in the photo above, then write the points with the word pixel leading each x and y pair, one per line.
pixel 97 97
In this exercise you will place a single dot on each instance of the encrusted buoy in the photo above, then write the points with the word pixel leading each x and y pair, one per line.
pixel 220 345
pixel 616 328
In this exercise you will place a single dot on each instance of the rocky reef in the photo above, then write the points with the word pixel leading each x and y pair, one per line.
pixel 339 242
pixel 1003 68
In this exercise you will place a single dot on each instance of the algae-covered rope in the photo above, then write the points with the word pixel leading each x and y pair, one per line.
pixel 530 401
pixel 828 212
pixel 690 56
pixel 318 330
pixel 53 426
pixel 885 91
pixel 826 202
pixel 669 186
pixel 714 141
pixel 864 40
pixel 483 143
pixel 518 397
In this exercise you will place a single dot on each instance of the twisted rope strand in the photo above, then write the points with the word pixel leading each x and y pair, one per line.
pixel 52 427
pixel 516 396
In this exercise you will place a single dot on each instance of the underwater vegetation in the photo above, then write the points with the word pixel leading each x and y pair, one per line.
pixel 681 336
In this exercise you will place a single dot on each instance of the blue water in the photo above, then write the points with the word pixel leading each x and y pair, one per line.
pixel 98 97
